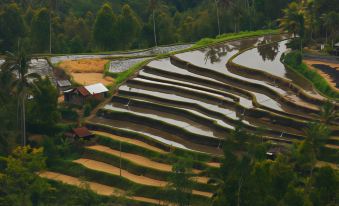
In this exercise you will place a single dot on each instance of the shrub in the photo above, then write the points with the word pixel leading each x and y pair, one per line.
pixel 68 114
pixel 293 58
pixel 87 110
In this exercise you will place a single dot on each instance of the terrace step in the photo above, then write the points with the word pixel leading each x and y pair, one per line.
pixel 151 77
pixel 173 140
pixel 130 141
pixel 249 85
pixel 215 121
pixel 132 95
pixel 96 187
pixel 183 131
pixel 136 159
pixel 107 168
pixel 104 167
pixel 172 117
pixel 260 100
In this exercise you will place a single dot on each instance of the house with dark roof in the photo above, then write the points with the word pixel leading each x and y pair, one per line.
pixel 79 133
pixel 80 95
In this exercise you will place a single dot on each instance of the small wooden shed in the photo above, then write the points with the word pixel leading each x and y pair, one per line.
pixel 80 95
pixel 82 132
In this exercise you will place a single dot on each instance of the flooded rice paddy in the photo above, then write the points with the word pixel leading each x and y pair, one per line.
pixel 203 99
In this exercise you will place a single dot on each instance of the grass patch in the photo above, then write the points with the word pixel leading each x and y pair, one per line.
pixel 293 60
pixel 230 36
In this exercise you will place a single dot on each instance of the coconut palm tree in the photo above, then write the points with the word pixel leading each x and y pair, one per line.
pixel 153 5
pixel 21 85
pixel 317 135
pixel 293 19
pixel 329 112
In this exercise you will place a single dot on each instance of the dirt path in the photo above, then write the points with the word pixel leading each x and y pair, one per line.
pixel 96 187
pixel 130 141
pixel 103 167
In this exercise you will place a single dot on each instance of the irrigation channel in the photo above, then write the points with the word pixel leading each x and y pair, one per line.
pixel 193 100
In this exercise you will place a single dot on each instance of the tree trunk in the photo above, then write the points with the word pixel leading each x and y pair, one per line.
pixel 239 190
pixel 155 34
pixel 23 119
pixel 216 5
pixel 50 32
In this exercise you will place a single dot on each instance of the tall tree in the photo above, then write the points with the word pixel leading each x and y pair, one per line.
pixel 43 114
pixel 293 19
pixel 153 5
pixel 23 84
pixel 11 27
pixel 129 26
pixel 40 31
pixel 105 27
pixel 179 181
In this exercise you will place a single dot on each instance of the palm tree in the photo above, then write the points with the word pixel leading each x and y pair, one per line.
pixel 22 84
pixel 317 135
pixel 153 5
pixel 293 19
pixel 329 112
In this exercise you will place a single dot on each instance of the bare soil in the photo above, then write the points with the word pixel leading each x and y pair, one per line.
pixel 84 65
pixel 214 164
pixel 103 167
pixel 134 158
pixel 92 78
pixel 96 187
pixel 87 71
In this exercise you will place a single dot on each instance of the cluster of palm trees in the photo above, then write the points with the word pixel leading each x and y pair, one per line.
pixel 301 19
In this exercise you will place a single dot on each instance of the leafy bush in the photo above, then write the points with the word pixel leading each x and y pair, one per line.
pixel 68 113
pixel 87 110
pixel 293 58
pixel 294 44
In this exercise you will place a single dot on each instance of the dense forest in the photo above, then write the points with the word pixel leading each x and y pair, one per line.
pixel 89 26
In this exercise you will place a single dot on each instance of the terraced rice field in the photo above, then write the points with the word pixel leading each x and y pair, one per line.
pixel 196 98
pixel 188 104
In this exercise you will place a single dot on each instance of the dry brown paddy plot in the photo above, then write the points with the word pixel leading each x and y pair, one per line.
pixel 87 71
